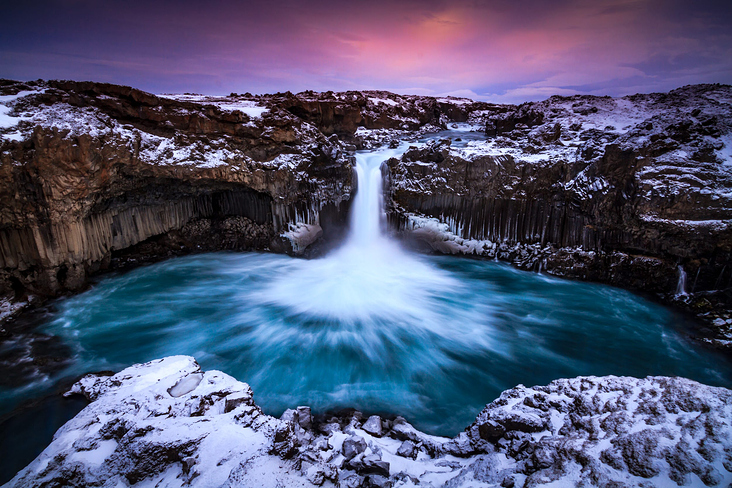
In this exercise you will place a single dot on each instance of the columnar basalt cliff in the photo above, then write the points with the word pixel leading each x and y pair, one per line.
pixel 93 172
pixel 94 169
pixel 626 191
pixel 633 191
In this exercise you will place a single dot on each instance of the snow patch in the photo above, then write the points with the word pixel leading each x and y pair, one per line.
pixel 385 101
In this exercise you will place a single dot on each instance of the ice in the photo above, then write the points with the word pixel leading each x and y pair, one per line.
pixel 186 385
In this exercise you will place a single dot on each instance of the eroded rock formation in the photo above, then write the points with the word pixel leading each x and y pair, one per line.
pixel 93 172
pixel 624 191
pixel 633 191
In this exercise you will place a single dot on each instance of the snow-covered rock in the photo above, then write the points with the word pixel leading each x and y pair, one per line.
pixel 168 423
pixel 644 178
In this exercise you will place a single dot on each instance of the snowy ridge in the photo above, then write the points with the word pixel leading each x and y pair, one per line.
pixel 168 423
pixel 8 120
pixel 685 132
pixel 251 108
pixel 21 113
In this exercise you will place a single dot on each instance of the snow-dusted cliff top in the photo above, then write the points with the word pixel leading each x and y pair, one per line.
pixel 167 423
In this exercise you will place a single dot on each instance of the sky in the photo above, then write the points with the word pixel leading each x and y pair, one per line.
pixel 495 50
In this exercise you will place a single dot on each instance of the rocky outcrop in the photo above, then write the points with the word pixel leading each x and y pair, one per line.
pixel 630 191
pixel 95 174
pixel 168 423
pixel 93 169
pixel 622 191
pixel 344 113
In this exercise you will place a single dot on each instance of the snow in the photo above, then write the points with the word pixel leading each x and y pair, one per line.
pixel 136 431
pixel 8 307
pixel 227 104
pixel 154 149
pixel 186 385
pixel 248 107
pixel 301 234
pixel 720 225
pixel 455 101
pixel 7 121
pixel 444 237
pixel 725 153
pixel 385 101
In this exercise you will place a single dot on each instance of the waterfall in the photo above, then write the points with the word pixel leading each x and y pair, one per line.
pixel 370 277
pixel 681 286
pixel 367 217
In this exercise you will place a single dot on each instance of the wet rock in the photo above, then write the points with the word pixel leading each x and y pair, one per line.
pixel 285 442
pixel 491 430
pixel 236 399
pixel 351 481
pixel 461 445
pixel 378 481
pixel 304 418
pixel 370 464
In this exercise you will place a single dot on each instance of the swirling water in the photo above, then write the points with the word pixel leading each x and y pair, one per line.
pixel 371 326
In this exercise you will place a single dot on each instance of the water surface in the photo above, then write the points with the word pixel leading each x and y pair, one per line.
pixel 370 325
pixel 436 351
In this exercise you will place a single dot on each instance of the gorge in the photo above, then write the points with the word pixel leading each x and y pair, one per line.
pixel 529 187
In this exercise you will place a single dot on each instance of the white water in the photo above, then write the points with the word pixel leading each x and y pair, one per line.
pixel 371 288
pixel 681 286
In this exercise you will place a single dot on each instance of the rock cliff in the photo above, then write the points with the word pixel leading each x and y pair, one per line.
pixel 168 423
pixel 97 175
pixel 633 191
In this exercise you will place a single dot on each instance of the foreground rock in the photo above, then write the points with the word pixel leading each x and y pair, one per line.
pixel 167 423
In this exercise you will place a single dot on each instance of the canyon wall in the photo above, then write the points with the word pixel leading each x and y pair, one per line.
pixel 561 186
pixel 95 175
pixel 95 169
pixel 630 191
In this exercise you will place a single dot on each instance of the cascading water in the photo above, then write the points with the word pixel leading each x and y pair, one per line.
pixel 681 285
pixel 370 279
pixel 371 326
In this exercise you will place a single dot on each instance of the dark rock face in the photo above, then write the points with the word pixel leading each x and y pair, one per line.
pixel 100 168
pixel 559 188
pixel 95 175
pixel 344 113
pixel 623 191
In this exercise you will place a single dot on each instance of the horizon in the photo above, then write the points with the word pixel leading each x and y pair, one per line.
pixel 225 95
pixel 494 51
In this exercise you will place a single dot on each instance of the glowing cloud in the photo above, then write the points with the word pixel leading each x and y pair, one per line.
pixel 499 50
